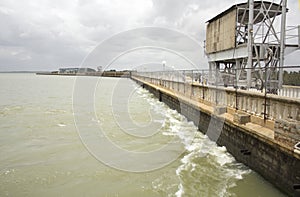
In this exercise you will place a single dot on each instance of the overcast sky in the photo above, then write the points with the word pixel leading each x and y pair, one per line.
pixel 48 34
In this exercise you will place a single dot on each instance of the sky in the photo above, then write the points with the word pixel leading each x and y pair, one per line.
pixel 44 35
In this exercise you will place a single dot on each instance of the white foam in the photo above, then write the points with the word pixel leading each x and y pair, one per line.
pixel 220 158
pixel 180 191
pixel 197 146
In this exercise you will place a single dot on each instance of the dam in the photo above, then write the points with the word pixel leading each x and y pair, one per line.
pixel 266 146
pixel 150 98
pixel 240 101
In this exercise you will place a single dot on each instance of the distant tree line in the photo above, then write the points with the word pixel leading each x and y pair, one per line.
pixel 291 78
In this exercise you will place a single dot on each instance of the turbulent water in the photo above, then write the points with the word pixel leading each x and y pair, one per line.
pixel 42 152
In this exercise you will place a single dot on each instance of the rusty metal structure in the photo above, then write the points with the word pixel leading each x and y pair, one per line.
pixel 248 42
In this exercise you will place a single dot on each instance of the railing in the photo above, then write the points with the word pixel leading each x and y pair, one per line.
pixel 290 91
pixel 223 79
pixel 199 88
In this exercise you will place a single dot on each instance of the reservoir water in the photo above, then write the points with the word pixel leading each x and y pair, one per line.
pixel 42 153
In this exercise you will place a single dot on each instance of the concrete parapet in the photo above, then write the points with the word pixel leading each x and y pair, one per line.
pixel 278 107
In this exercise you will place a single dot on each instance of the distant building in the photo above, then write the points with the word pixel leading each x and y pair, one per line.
pixel 75 70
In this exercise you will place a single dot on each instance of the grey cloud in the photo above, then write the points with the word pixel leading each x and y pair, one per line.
pixel 159 40
pixel 44 35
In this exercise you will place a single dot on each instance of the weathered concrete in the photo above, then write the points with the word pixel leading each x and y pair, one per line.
pixel 241 118
pixel 218 110
pixel 250 143
pixel 287 132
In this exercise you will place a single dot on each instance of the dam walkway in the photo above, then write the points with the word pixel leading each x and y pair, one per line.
pixel 260 129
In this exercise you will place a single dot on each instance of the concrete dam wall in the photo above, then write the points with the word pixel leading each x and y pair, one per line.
pixel 278 164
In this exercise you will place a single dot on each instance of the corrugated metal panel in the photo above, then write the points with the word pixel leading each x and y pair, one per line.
pixel 220 33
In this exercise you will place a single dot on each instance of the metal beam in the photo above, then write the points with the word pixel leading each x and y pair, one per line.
pixel 230 54
pixel 282 43
pixel 250 42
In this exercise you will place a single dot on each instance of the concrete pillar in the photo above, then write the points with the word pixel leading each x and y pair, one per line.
pixel 282 43
pixel 211 73
pixel 238 70
pixel 250 43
